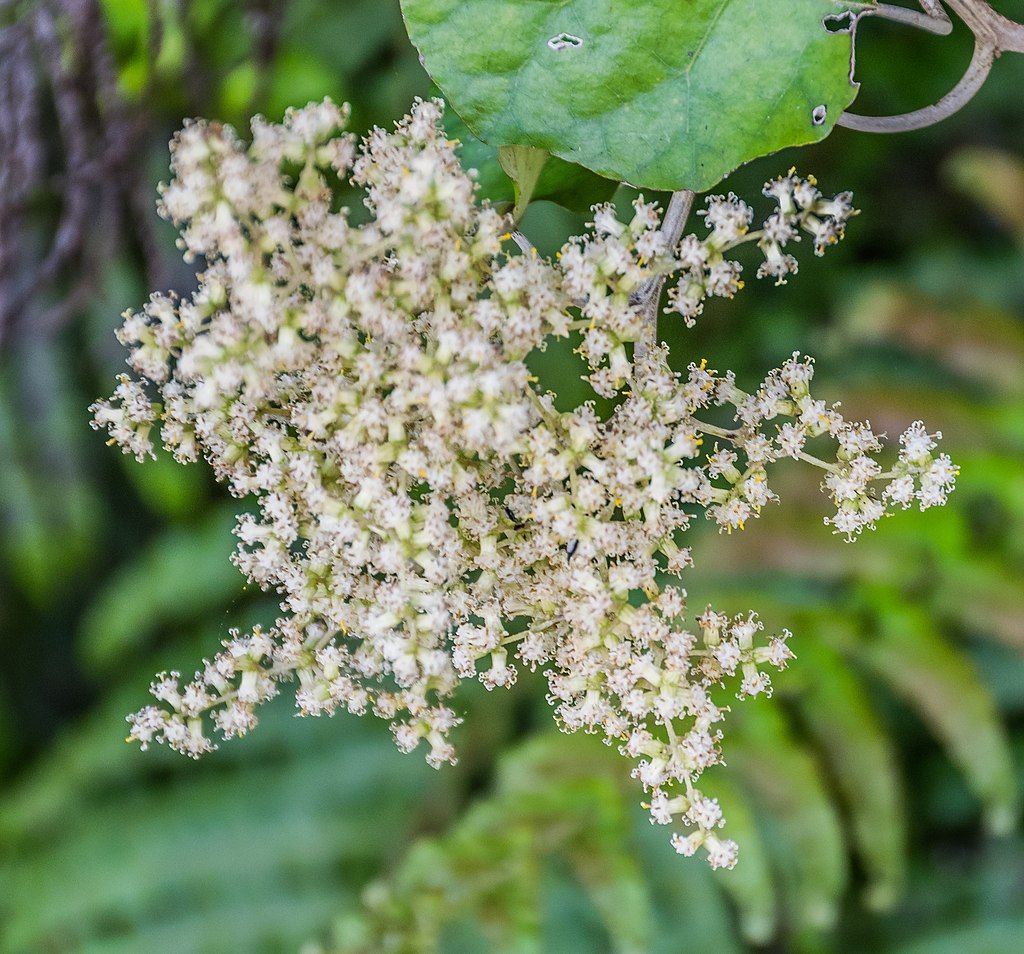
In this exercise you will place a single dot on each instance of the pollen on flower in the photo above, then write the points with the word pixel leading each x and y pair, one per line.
pixel 366 386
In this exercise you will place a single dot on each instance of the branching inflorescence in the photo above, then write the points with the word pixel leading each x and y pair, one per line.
pixel 426 514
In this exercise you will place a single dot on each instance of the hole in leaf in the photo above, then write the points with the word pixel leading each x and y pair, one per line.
pixel 839 22
pixel 564 41
pixel 818 114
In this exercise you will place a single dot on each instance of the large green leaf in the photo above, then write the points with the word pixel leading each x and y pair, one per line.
pixel 185 573
pixel 555 856
pixel 664 94
pixel 837 712
pixel 49 512
pixel 750 885
pixel 487 868
pixel 920 666
pixel 801 822
pixel 105 848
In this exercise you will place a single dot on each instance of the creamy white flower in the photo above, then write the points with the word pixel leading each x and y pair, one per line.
pixel 366 386
pixel 707 272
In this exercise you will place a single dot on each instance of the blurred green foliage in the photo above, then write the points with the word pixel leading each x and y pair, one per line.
pixel 876 797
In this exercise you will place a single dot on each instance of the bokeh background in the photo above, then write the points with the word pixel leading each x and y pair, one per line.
pixel 876 796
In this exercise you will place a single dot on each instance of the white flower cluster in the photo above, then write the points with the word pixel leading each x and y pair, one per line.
pixel 706 271
pixel 425 513
pixel 850 478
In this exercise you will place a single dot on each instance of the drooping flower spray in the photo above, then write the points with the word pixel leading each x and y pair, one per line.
pixel 426 514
